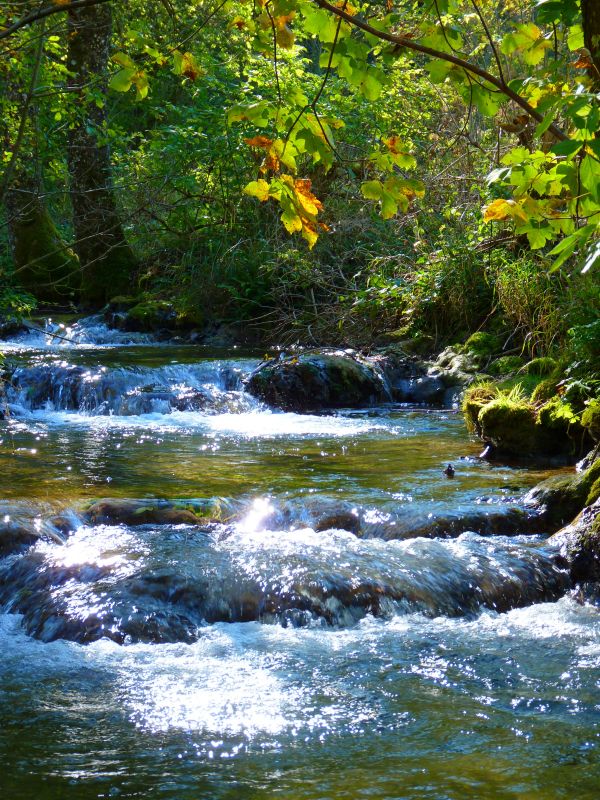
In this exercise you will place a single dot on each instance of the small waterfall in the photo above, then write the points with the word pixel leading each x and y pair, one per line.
pixel 128 584
pixel 87 332
pixel 211 387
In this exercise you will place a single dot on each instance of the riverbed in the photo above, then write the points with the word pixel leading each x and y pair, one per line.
pixel 338 634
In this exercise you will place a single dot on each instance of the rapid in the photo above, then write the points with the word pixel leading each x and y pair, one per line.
pixel 215 599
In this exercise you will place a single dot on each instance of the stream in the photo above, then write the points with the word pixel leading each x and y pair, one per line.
pixel 342 621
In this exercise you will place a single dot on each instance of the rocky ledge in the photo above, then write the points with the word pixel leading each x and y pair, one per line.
pixel 325 379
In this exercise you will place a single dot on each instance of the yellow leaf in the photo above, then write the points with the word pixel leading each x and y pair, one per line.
pixel 291 221
pixel 258 189
pixel 306 199
pixel 498 210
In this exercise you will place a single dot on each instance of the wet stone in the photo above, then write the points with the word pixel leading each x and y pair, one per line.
pixel 147 512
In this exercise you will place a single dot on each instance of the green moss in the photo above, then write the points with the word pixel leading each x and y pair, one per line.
pixel 590 419
pixel 475 398
pixel 483 344
pixel 122 302
pixel 527 384
pixel 152 314
pixel 509 425
pixel 46 266
pixel 594 493
pixel 557 415
pixel 544 391
pixel 505 365
pixel 564 497
pixel 541 366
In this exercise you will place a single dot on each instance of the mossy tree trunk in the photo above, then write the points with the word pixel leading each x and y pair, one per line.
pixel 107 261
pixel 44 264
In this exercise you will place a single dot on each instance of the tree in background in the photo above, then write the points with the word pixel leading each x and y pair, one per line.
pixel 107 261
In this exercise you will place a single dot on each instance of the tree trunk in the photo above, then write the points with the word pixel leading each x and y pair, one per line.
pixel 106 259
pixel 590 20
pixel 44 265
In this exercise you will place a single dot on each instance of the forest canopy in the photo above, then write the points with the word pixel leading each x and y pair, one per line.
pixel 184 146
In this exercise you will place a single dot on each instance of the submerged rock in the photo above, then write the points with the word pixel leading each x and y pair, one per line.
pixel 21 527
pixel 143 587
pixel 318 381
pixel 115 511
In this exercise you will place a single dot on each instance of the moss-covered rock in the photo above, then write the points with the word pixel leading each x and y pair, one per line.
pixel 516 426
pixel 474 399
pixel 544 391
pixel 561 498
pixel 580 543
pixel 483 344
pixel 319 380
pixel 558 417
pixel 505 365
pixel 150 315
pixel 509 426
pixel 115 511
pixel 122 302
pixel 590 419
pixel 544 366
pixel 409 342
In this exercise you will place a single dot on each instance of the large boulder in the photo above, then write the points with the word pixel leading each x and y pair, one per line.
pixel 319 380
pixel 580 544
pixel 560 499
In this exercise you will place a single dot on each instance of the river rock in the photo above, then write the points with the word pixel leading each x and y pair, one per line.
pixel 317 381
pixel 19 531
pixel 560 498
pixel 111 511
pixel 580 543
pixel 11 326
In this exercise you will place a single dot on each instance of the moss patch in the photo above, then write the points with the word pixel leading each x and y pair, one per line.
pixel 590 419
pixel 483 344
pixel 505 365
pixel 510 426
pixel 544 391
pixel 540 366
pixel 475 398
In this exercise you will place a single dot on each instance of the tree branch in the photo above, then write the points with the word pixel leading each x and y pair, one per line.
pixel 42 13
pixel 472 69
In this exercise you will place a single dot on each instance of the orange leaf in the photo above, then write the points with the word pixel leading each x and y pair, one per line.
pixel 262 142
pixel 311 204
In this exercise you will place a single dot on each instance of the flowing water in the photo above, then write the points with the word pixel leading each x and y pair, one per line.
pixel 354 625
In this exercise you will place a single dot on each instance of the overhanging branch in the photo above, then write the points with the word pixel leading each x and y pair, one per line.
pixel 42 13
pixel 472 69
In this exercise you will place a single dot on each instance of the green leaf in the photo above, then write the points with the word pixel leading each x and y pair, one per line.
pixel 589 172
pixel 123 60
pixel 486 101
pixel 122 80
pixel 528 41
pixel 438 70
pixel 575 38
pixel 567 148
pixel 372 190
pixel 321 24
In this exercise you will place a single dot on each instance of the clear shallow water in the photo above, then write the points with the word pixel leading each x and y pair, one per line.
pixel 404 706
